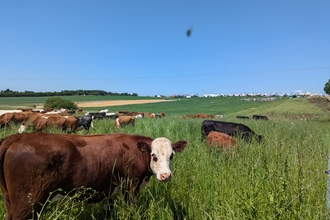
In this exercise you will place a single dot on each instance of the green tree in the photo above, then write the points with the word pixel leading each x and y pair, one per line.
pixel 57 102
pixel 327 87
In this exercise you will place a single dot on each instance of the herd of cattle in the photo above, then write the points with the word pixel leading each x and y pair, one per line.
pixel 39 120
pixel 32 165
pixel 257 117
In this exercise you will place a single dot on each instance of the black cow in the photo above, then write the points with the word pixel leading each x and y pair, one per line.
pixel 243 117
pixel 85 122
pixel 230 128
pixel 97 115
pixel 260 117
pixel 71 112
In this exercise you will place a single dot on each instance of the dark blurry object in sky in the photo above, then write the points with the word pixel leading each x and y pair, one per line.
pixel 189 32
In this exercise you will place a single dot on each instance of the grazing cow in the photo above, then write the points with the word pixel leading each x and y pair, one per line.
pixel 66 123
pixel 150 115
pixel 79 111
pixel 160 115
pixel 97 115
pixel 16 117
pixel 201 115
pixel 189 116
pixel 243 117
pixel 85 122
pixel 5 119
pixel 260 117
pixel 124 120
pixel 220 140
pixel 229 128
pixel 34 165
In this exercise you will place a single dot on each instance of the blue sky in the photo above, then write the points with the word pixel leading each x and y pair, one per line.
pixel 141 46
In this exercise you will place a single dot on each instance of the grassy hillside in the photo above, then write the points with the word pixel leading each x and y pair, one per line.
pixel 280 178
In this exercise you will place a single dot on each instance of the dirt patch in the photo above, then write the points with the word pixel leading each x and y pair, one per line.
pixel 115 103
pixel 112 103
pixel 94 104
pixel 321 102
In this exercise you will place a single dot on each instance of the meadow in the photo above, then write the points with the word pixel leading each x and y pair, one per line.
pixel 281 178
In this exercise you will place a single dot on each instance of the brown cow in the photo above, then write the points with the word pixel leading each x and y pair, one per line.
pixel 42 121
pixel 16 117
pixel 200 115
pixel 221 140
pixel 79 111
pixel 190 116
pixel 150 115
pixel 124 120
pixel 66 123
pixel 34 165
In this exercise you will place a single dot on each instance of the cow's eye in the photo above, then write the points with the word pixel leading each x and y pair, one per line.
pixel 171 157
pixel 154 158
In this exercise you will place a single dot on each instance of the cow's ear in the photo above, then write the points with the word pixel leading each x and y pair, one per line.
pixel 179 145
pixel 144 147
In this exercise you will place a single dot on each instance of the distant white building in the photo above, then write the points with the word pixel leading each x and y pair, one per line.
pixel 211 95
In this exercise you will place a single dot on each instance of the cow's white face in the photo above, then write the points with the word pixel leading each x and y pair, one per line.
pixel 22 129
pixel 161 155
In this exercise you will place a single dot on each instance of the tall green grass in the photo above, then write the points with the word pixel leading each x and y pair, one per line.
pixel 280 178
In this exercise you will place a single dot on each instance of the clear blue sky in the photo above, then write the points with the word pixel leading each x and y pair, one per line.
pixel 141 46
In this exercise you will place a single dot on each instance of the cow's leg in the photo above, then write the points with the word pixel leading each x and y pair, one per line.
pixel 108 207
pixel 9 211
pixel 23 209
pixel 92 125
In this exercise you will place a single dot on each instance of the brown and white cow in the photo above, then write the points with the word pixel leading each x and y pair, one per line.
pixel 162 114
pixel 150 115
pixel 35 164
pixel 124 120
pixel 221 141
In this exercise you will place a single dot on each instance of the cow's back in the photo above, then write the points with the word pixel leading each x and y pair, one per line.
pixel 220 139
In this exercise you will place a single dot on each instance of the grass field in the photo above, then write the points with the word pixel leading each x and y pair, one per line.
pixel 281 178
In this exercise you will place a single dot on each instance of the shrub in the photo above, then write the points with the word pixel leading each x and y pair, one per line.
pixel 58 102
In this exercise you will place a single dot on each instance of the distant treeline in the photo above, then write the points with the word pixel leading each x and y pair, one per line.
pixel 10 93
